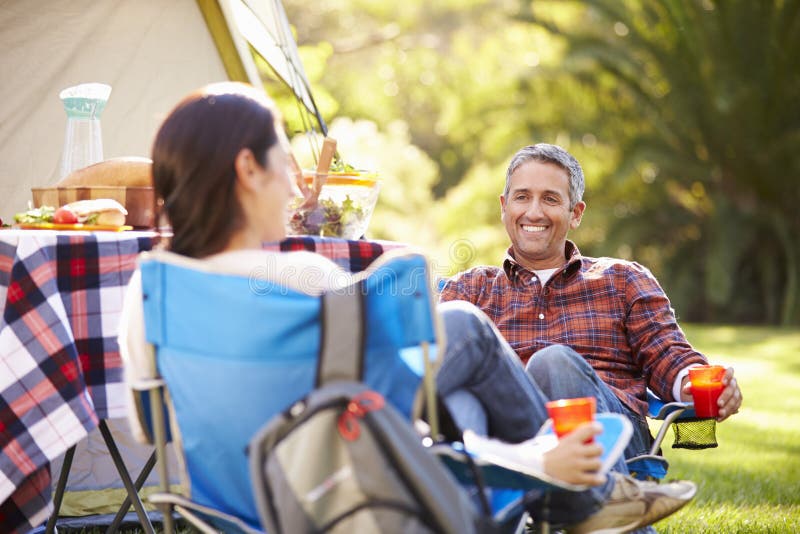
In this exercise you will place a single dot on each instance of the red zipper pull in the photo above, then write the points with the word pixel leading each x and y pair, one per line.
pixel 366 401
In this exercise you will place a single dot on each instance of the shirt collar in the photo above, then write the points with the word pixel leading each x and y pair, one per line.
pixel 572 255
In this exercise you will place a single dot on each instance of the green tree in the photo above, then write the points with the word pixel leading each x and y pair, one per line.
pixel 706 121
pixel 683 113
pixel 448 69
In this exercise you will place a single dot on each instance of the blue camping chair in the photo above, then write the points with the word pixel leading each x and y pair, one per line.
pixel 221 378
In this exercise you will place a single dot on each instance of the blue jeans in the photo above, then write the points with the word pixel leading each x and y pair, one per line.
pixel 486 389
pixel 562 373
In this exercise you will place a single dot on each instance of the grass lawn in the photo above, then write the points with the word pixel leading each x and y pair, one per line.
pixel 751 482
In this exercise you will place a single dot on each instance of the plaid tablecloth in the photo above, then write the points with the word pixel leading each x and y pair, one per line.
pixel 60 369
pixel 353 256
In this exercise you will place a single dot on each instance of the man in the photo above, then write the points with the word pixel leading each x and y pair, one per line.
pixel 585 326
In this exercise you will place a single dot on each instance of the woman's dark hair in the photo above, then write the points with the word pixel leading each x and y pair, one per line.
pixel 193 163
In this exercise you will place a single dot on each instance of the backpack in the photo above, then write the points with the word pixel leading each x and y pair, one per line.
pixel 344 460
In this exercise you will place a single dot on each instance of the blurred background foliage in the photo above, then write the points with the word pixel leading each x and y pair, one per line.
pixel 685 115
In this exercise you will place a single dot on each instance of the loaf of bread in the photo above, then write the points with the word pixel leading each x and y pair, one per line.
pixel 125 171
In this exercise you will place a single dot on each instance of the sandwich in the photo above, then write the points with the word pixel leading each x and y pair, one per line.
pixel 100 211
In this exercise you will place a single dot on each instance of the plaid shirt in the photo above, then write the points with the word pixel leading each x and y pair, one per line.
pixel 612 312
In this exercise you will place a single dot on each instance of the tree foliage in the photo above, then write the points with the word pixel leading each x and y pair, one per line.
pixel 708 127
pixel 683 113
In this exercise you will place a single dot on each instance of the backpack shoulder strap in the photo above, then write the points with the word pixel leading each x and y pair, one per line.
pixel 341 354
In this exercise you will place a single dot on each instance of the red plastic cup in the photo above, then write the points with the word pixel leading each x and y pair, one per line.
pixel 706 388
pixel 570 413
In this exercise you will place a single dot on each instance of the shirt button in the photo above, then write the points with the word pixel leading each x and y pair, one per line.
pixel 541 316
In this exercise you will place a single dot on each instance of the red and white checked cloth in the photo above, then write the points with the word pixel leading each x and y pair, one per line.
pixel 60 368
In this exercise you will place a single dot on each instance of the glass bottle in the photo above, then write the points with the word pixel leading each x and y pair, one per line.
pixel 83 141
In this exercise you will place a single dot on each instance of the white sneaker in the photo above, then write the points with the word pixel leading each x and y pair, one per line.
pixel 526 457
pixel 634 504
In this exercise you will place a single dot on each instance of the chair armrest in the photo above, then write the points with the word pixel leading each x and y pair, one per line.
pixel 496 473
pixel 502 467
pixel 660 409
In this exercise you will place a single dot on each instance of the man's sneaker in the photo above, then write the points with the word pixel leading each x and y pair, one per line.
pixel 634 504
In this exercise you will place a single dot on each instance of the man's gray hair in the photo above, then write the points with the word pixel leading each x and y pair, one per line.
pixel 546 153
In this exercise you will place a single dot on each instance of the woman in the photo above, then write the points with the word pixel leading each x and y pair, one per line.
pixel 221 168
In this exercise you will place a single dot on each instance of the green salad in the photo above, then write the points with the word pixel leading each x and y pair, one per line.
pixel 35 215
pixel 328 218
pixel 340 166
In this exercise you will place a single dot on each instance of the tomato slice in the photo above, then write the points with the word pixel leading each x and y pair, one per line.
pixel 65 216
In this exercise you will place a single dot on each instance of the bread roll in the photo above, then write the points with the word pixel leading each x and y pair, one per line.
pixel 126 171
pixel 109 212
pixel 110 218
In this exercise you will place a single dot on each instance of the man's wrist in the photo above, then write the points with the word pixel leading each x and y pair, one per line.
pixel 677 386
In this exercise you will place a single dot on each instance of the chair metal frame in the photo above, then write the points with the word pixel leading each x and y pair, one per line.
pixel 669 413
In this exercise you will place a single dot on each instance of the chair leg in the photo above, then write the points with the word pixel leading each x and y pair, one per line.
pixel 544 527
pixel 126 504
pixel 159 430
pixel 61 485
pixel 521 524
pixel 126 478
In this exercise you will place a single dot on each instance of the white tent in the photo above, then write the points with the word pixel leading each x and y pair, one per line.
pixel 152 52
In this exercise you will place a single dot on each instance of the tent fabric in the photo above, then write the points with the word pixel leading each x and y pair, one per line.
pixel 151 52
pixel 264 26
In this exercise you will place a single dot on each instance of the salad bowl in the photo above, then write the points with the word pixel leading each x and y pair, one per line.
pixel 343 207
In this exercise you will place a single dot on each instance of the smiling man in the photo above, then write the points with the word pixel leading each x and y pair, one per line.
pixel 538 213
pixel 584 326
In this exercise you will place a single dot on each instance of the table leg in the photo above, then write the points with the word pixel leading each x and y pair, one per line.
pixel 133 494
pixel 61 485
pixel 126 504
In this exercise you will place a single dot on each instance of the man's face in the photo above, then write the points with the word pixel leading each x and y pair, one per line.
pixel 537 215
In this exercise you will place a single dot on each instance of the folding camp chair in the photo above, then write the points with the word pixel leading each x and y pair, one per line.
pixel 233 351
pixel 690 432
pixel 226 374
